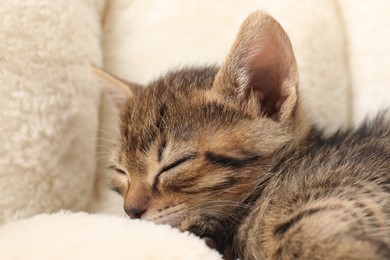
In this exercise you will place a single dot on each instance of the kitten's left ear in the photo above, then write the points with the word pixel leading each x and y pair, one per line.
pixel 261 66
pixel 119 90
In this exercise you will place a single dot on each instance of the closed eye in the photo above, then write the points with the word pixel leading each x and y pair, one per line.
pixel 120 171
pixel 176 163
pixel 170 167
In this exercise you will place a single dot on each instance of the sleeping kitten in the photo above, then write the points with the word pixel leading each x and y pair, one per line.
pixel 226 153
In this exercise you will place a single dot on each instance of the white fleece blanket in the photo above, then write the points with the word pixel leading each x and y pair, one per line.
pixel 81 236
pixel 49 106
pixel 56 126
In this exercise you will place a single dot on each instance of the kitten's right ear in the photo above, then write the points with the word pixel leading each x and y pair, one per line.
pixel 119 90
pixel 261 67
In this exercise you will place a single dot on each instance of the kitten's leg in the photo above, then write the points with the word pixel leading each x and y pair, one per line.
pixel 313 232
pixel 325 235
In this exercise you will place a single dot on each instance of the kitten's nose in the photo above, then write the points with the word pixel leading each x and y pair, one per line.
pixel 137 200
pixel 134 212
pixel 136 208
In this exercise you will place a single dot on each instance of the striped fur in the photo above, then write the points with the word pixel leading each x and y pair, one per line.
pixel 227 154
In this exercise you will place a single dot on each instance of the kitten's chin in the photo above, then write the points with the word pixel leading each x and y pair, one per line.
pixel 173 221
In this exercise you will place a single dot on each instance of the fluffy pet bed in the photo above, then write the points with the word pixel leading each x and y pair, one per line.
pixel 82 236
pixel 56 126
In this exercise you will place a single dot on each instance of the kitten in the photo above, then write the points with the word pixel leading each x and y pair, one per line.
pixel 226 153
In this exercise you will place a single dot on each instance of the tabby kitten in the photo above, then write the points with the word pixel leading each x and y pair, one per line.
pixel 228 155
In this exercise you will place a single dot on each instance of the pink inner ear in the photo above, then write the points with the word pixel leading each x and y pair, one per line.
pixel 267 87
pixel 261 66
pixel 267 73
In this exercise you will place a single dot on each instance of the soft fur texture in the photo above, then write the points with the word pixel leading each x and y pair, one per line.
pixel 54 120
pixel 229 155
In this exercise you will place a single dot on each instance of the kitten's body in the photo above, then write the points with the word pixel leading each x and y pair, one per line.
pixel 327 198
pixel 227 154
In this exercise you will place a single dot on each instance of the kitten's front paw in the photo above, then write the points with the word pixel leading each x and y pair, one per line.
pixel 228 253
pixel 215 234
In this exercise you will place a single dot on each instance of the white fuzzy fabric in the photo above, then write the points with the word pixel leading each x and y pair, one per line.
pixel 145 38
pixel 98 237
pixel 49 106
pixel 368 37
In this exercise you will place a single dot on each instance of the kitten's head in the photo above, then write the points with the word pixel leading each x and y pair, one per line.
pixel 195 143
